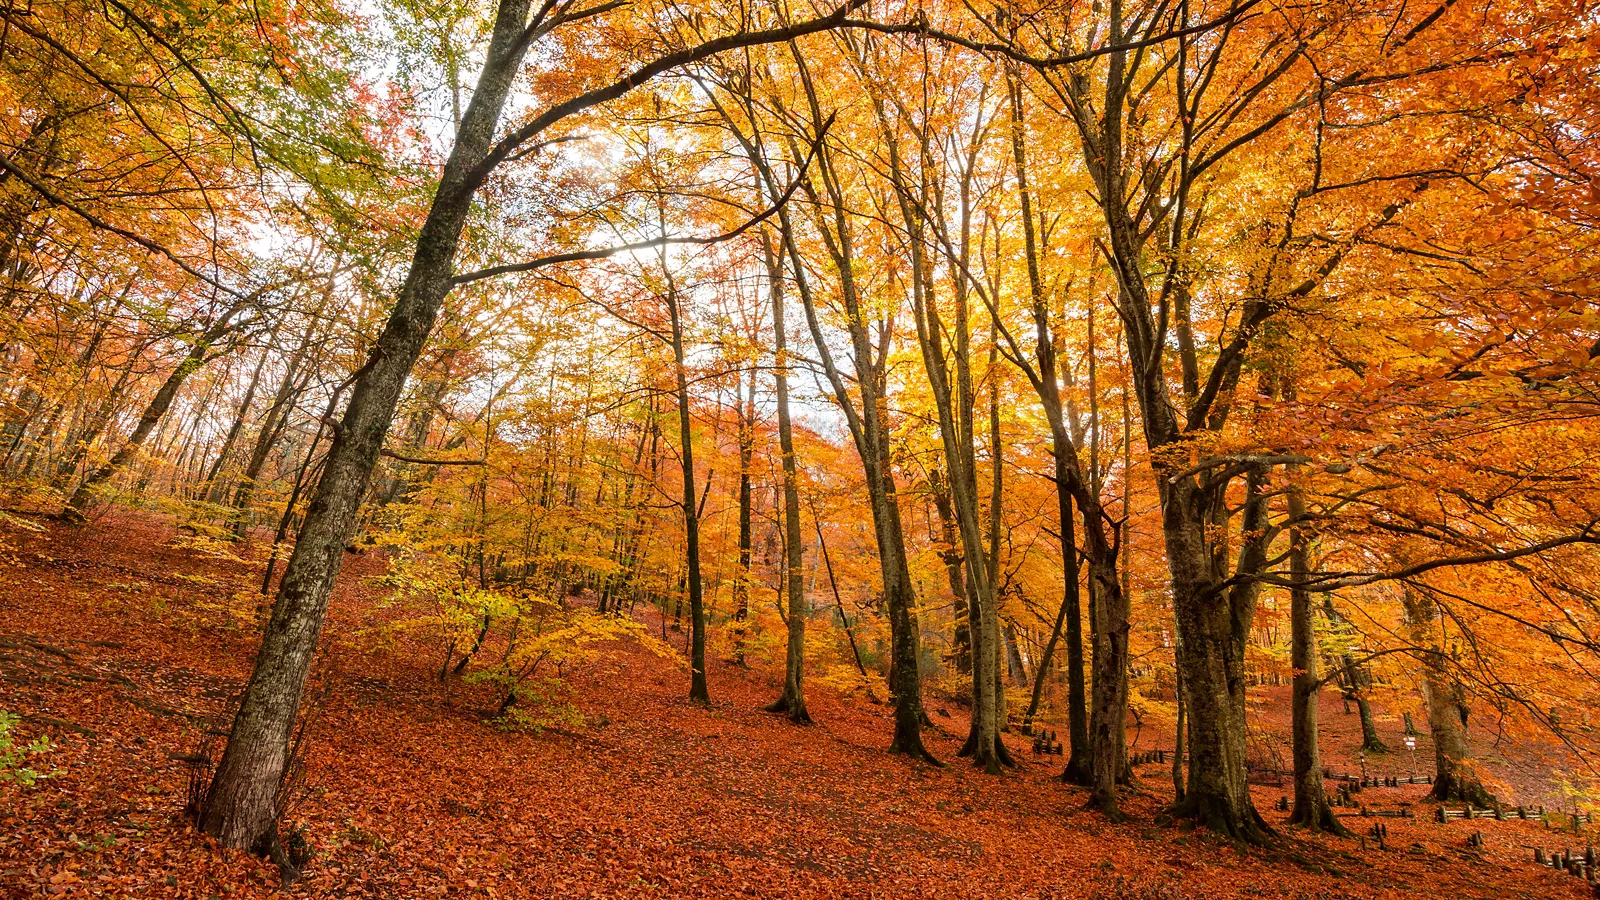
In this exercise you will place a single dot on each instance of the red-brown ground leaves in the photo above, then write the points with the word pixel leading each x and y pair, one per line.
pixel 126 649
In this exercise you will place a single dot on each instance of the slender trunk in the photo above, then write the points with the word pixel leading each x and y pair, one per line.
pixel 741 584
pixel 1311 807
pixel 793 700
pixel 208 491
pixel 153 411
pixel 272 426
pixel 241 806
pixel 950 553
pixel 833 584
pixel 1047 385
pixel 1355 682
pixel 691 511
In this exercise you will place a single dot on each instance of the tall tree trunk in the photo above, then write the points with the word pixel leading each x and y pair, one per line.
pixel 241 806
pixel 1047 384
pixel 793 700
pixel 950 553
pixel 1453 778
pixel 741 584
pixel 1311 807
pixel 870 434
pixel 691 510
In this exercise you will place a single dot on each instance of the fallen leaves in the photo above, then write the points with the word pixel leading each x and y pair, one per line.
pixel 413 793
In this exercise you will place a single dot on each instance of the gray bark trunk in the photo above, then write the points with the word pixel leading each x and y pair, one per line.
pixel 793 700
pixel 241 806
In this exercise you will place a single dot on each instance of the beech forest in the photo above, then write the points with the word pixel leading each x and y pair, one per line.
pixel 800 448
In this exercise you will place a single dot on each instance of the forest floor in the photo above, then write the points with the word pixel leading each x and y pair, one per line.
pixel 125 646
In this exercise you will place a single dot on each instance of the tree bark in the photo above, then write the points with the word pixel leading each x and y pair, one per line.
pixel 1214 626
pixel 1311 807
pixel 698 691
pixel 241 806
pixel 1446 698
pixel 793 700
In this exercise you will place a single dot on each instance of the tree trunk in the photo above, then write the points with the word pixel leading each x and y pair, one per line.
pixel 208 492
pixel 793 700
pixel 272 425
pixel 1046 383
pixel 950 554
pixel 241 806
pixel 153 411
pixel 1214 627
pixel 1311 807
pixel 691 510
pixel 741 585
pixel 871 436
pixel 1447 709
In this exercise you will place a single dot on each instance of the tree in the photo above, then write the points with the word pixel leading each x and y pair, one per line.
pixel 240 807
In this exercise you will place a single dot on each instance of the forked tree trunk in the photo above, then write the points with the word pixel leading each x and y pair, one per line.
pixel 1453 778
pixel 1214 626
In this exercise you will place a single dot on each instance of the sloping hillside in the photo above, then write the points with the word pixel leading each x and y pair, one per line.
pixel 124 647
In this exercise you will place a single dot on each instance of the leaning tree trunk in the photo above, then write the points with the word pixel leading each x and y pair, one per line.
pixel 793 700
pixel 153 412
pixel 241 806
pixel 1447 709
